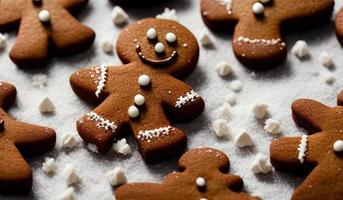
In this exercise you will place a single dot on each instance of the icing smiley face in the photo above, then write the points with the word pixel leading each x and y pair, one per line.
pixel 163 44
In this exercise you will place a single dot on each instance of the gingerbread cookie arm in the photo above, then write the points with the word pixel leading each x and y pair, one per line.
pixel 31 46
pixel 142 191
pixel 339 26
pixel 7 95
pixel 71 4
pixel 16 174
pixel 11 13
pixel 69 35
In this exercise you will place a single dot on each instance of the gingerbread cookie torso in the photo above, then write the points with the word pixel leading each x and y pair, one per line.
pixel 320 152
pixel 17 139
pixel 137 97
pixel 204 174
pixel 257 39
pixel 339 26
pixel 44 25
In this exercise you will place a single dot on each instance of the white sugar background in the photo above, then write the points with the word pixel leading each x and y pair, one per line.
pixel 278 87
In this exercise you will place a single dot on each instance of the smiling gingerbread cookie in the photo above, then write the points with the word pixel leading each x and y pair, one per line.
pixel 257 38
pixel 137 97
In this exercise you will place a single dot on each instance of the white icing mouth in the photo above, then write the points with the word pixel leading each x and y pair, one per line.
pixel 171 58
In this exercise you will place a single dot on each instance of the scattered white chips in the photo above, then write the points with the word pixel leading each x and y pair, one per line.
pixel 39 80
pixel 92 147
pixel 69 140
pixel 205 39
pixel 231 98
pixel 300 49
pixel 243 139
pixel 46 106
pixel 169 14
pixel 116 177
pixel 122 147
pixel 49 166
pixel 328 77
pixel 68 195
pixel 223 68
pixel 221 128
pixel 259 109
pixel 272 126
pixel 236 85
pixel 225 111
pixel 261 164
pixel 119 16
pixel 3 39
pixel 326 59
pixel 107 46
pixel 70 175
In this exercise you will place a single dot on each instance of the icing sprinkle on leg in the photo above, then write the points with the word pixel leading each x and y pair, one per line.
pixel 154 133
pixel 189 97
pixel 302 148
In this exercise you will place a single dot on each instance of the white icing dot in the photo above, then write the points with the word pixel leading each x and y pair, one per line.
pixel 44 16
pixel 151 33
pixel 338 146
pixel 159 48
pixel 139 100
pixel 200 181
pixel 171 37
pixel 144 80
pixel 258 8
pixel 133 112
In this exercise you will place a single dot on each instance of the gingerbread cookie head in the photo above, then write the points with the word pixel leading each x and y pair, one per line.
pixel 44 25
pixel 203 175
pixel 339 26
pixel 320 152
pixel 18 139
pixel 164 45
pixel 257 39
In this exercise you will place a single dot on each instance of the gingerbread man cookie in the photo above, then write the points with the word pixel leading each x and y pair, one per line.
pixel 17 139
pixel 204 174
pixel 339 26
pixel 320 152
pixel 44 25
pixel 137 97
pixel 257 39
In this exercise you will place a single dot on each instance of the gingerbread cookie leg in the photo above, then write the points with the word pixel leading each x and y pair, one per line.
pixel 339 26
pixel 10 15
pixel 16 174
pixel 32 44
pixel 65 39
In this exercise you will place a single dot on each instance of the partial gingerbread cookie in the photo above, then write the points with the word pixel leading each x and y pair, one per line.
pixel 17 139
pixel 339 26
pixel 44 25
pixel 137 97
pixel 320 152
pixel 257 39
pixel 204 174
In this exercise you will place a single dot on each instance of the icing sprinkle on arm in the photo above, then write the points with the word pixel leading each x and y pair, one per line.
pixel 102 122
pixel 189 97
pixel 266 42
pixel 101 73
pixel 302 148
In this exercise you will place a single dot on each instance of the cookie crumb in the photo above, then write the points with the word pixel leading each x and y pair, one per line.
pixel 261 164
pixel 68 195
pixel 49 166
pixel 69 140
pixel 169 14
pixel 326 59
pixel 70 175
pixel 243 139
pixel 119 16
pixel 236 85
pixel 205 39
pixel 116 177
pixel 107 46
pixel 260 109
pixel 223 69
pixel 221 128
pixel 300 49
pixel 272 126
pixel 122 147
pixel 46 106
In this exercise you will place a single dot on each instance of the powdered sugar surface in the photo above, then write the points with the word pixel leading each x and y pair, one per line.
pixel 278 88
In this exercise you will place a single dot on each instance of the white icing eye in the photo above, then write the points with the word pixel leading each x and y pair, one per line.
pixel 159 48
pixel 151 33
pixel 258 8
pixel 133 112
pixel 171 37
pixel 44 16
pixel 139 100
pixel 144 80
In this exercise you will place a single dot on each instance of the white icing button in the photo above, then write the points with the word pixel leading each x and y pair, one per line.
pixel 258 8
pixel 133 111
pixel 44 16
pixel 116 177
pixel 171 37
pixel 144 80
pixel 151 34
pixel 221 128
pixel 159 48
pixel 338 146
pixel 139 100
pixel 200 181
